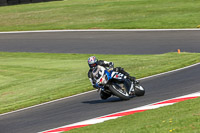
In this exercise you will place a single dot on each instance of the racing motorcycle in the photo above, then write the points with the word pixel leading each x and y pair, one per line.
pixel 115 83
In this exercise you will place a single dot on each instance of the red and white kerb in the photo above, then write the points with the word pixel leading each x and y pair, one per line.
pixel 123 113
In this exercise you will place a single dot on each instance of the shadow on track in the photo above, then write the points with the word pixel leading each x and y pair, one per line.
pixel 111 99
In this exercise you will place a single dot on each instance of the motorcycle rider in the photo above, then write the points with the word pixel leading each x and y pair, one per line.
pixel 94 62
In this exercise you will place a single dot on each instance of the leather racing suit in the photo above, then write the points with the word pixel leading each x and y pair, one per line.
pixel 103 94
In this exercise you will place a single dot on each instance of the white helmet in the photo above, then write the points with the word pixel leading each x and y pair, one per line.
pixel 92 61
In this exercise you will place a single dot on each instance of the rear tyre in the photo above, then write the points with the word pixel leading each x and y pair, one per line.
pixel 119 92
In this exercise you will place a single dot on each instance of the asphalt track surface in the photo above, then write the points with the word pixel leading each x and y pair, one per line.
pixel 89 105
pixel 102 42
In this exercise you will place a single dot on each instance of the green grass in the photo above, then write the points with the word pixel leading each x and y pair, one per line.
pixel 183 117
pixel 101 14
pixel 31 78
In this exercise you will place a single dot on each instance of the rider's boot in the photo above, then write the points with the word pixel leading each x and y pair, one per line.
pixel 137 82
pixel 121 70
pixel 133 79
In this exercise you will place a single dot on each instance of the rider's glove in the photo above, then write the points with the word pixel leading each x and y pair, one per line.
pixel 97 86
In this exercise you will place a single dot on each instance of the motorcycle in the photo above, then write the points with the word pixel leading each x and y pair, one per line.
pixel 115 83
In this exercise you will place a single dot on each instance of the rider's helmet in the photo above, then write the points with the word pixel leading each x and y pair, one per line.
pixel 92 61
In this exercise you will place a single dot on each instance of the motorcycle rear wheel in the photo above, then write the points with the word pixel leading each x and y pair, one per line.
pixel 119 92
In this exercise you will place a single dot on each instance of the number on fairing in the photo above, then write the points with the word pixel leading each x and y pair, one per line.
pixel 118 75
pixel 100 73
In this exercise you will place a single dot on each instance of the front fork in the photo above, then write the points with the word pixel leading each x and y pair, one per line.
pixel 132 89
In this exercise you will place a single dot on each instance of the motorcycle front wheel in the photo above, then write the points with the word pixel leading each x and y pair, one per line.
pixel 139 90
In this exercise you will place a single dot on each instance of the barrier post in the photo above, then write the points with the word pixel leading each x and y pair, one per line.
pixel 179 51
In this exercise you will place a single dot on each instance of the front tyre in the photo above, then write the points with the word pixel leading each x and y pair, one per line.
pixel 119 92
pixel 139 90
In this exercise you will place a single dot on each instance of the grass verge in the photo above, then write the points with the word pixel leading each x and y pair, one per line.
pixel 31 78
pixel 183 117
pixel 98 14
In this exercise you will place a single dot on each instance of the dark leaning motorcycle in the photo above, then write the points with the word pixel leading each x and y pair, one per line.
pixel 114 83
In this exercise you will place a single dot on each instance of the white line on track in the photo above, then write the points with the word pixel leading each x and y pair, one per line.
pixel 97 30
pixel 95 90
pixel 170 71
